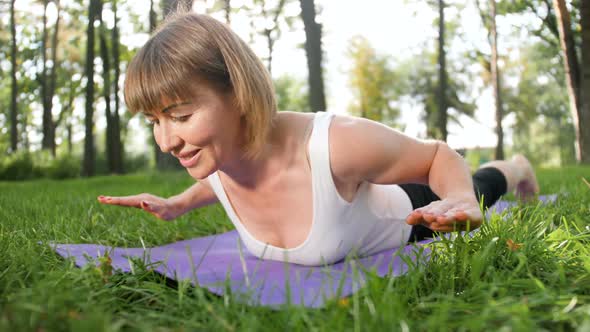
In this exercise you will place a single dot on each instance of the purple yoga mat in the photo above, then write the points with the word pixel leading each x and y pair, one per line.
pixel 221 261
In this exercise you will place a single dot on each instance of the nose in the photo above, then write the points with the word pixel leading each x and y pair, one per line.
pixel 166 139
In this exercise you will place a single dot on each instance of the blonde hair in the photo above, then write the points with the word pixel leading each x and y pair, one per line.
pixel 189 48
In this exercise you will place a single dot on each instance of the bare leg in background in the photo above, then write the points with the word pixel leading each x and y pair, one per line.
pixel 519 174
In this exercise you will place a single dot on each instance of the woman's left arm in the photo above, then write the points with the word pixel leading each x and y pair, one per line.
pixel 364 150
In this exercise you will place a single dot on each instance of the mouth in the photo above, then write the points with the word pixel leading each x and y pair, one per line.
pixel 189 159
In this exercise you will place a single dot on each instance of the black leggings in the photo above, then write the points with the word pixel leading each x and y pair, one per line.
pixel 489 185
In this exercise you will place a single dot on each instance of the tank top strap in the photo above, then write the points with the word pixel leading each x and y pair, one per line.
pixel 319 155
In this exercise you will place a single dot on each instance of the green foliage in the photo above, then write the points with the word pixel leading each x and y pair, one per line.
pixel 478 156
pixel 18 166
pixel 545 12
pixel 291 94
pixel 133 163
pixel 64 167
pixel 543 129
pixel 40 164
pixel 373 83
pixel 418 79
pixel 31 165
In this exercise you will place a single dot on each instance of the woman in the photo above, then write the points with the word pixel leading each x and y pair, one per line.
pixel 307 188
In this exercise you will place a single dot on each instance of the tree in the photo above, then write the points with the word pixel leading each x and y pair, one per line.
pixel 48 81
pixel 417 79
pixel 573 78
pixel 313 50
pixel 437 110
pixel 227 10
pixel 89 151
pixel 489 21
pixel 171 6
pixel 556 32
pixel 112 136
pixel 372 82
pixel 153 17
pixel 267 19
pixel 69 81
pixel 585 84
pixel 115 133
pixel 495 70
pixel 47 135
pixel 14 85
pixel 271 30
pixel 442 74
pixel 543 129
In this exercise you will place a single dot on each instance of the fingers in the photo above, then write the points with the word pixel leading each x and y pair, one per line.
pixel 449 221
pixel 132 201
pixel 141 201
pixel 146 202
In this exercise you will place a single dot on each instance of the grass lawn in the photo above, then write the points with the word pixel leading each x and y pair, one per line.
pixel 531 272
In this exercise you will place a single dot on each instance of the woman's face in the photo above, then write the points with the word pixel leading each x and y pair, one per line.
pixel 202 133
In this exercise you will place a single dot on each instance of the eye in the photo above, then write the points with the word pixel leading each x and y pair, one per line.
pixel 182 118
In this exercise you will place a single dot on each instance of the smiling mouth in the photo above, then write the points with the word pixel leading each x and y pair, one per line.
pixel 190 159
pixel 188 156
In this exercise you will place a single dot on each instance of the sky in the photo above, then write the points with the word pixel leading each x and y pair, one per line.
pixel 397 28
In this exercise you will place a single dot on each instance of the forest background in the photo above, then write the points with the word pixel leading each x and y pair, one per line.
pixel 527 62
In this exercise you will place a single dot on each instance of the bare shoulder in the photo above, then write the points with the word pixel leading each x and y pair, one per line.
pixel 293 124
pixel 366 150
pixel 290 117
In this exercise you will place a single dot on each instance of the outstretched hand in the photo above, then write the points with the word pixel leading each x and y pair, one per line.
pixel 159 207
pixel 449 214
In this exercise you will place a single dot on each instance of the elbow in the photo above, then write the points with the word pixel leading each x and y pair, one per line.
pixel 443 156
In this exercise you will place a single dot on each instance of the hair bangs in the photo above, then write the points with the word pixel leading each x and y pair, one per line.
pixel 153 80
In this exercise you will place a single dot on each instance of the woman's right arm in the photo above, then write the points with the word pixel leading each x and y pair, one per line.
pixel 198 195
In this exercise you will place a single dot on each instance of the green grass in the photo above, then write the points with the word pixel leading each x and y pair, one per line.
pixel 479 283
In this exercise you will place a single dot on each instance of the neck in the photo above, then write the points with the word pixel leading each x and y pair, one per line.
pixel 252 173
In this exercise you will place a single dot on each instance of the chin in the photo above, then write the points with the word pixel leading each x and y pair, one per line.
pixel 199 173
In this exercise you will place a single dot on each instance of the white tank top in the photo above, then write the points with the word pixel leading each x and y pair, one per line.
pixel 372 222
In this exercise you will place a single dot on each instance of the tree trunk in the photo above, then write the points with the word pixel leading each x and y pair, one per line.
pixel 14 86
pixel 47 118
pixel 69 137
pixel 270 41
pixel 270 46
pixel 152 17
pixel 69 110
pixel 26 143
pixel 585 84
pixel 173 6
pixel 495 71
pixel 227 9
pixel 572 70
pixel 442 74
pixel 106 88
pixel 53 79
pixel 118 166
pixel 89 152
pixel 313 49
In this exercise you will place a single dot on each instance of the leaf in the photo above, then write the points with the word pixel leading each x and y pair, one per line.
pixel 106 266
pixel 344 302
pixel 513 245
